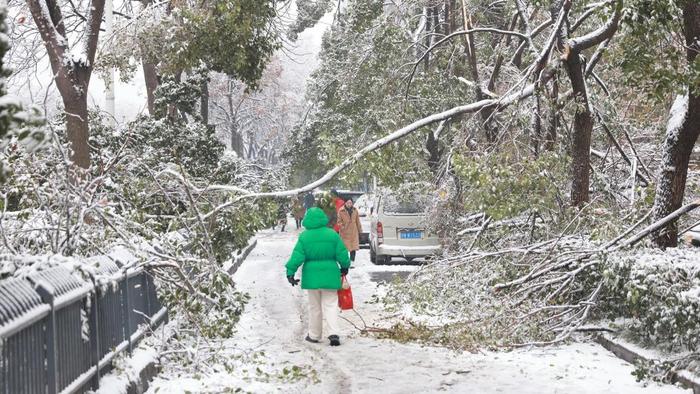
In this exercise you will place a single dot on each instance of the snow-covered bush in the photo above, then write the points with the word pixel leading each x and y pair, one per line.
pixel 18 125
pixel 146 192
pixel 659 294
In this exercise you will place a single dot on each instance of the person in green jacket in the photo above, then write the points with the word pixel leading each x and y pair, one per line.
pixel 322 256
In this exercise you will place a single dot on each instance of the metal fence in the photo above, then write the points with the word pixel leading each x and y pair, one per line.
pixel 59 334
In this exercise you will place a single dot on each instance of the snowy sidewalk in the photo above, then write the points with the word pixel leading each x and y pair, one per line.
pixel 271 355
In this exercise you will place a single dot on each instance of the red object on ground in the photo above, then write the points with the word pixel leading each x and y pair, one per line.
pixel 345 297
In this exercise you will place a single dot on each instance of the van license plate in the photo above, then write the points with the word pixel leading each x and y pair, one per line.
pixel 410 235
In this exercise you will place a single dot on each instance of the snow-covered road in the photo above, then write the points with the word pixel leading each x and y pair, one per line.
pixel 274 324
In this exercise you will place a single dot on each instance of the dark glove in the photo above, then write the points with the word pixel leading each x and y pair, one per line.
pixel 343 271
pixel 292 281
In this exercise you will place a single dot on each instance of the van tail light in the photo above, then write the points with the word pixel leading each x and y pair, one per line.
pixel 380 233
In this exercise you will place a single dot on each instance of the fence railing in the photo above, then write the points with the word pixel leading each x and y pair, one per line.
pixel 59 334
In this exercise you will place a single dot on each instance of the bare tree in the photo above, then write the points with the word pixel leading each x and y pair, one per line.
pixel 72 69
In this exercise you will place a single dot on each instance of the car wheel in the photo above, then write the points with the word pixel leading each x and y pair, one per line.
pixel 372 256
pixel 384 260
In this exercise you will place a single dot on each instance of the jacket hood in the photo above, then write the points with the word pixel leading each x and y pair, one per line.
pixel 314 218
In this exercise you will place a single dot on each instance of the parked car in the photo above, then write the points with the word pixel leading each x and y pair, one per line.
pixel 397 228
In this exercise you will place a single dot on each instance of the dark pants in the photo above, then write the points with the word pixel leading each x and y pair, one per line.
pixel 352 255
pixel 298 221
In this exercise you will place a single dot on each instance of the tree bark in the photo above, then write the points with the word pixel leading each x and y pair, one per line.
pixel 78 129
pixel 150 76
pixel 551 137
pixel 428 31
pixel 204 103
pixel 473 63
pixel 581 138
pixel 432 145
pixel 681 136
pixel 237 144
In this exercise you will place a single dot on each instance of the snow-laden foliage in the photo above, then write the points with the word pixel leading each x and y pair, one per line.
pixel 504 187
pixel 458 297
pixel 18 125
pixel 359 95
pixel 309 12
pixel 144 193
pixel 659 294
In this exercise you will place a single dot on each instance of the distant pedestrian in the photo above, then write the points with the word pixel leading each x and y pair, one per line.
pixel 350 227
pixel 298 211
pixel 323 258
pixel 309 200
pixel 338 204
pixel 330 203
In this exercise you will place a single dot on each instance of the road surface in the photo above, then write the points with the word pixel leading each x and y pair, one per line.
pixel 274 325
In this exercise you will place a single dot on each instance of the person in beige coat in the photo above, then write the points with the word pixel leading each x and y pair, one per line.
pixel 350 227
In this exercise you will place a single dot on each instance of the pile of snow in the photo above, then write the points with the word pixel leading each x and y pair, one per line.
pixel 127 369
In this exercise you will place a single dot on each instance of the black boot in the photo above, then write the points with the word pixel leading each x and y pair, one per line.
pixel 335 340
pixel 309 339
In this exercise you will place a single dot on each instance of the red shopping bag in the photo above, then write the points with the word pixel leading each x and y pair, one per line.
pixel 345 295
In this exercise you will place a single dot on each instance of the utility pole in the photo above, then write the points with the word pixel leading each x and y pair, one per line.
pixel 109 81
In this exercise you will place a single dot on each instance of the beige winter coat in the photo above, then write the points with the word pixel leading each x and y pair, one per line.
pixel 350 228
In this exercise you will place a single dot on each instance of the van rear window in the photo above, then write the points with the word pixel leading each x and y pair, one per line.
pixel 405 203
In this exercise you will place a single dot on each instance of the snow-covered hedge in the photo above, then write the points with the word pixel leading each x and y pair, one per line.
pixel 659 292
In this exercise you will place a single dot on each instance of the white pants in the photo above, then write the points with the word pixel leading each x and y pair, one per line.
pixel 323 304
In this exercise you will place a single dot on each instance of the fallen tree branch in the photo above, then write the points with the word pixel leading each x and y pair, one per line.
pixel 499 103
pixel 659 224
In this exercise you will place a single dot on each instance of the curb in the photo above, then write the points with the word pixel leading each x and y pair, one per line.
pixel 140 386
pixel 685 378
pixel 239 259
pixel 134 374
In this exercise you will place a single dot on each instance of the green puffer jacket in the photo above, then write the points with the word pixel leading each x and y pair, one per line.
pixel 318 251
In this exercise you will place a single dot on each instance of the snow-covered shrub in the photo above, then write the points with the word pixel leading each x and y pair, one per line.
pixel 158 143
pixel 18 125
pixel 145 192
pixel 659 292
pixel 181 95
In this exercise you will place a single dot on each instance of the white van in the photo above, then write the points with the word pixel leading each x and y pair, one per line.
pixel 397 228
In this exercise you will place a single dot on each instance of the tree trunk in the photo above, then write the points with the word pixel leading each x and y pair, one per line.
pixel 204 103
pixel 681 134
pixel 581 138
pixel 432 145
pixel 78 129
pixel 72 76
pixel 236 141
pixel 150 76
pixel 536 121
pixel 551 137
pixel 428 31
